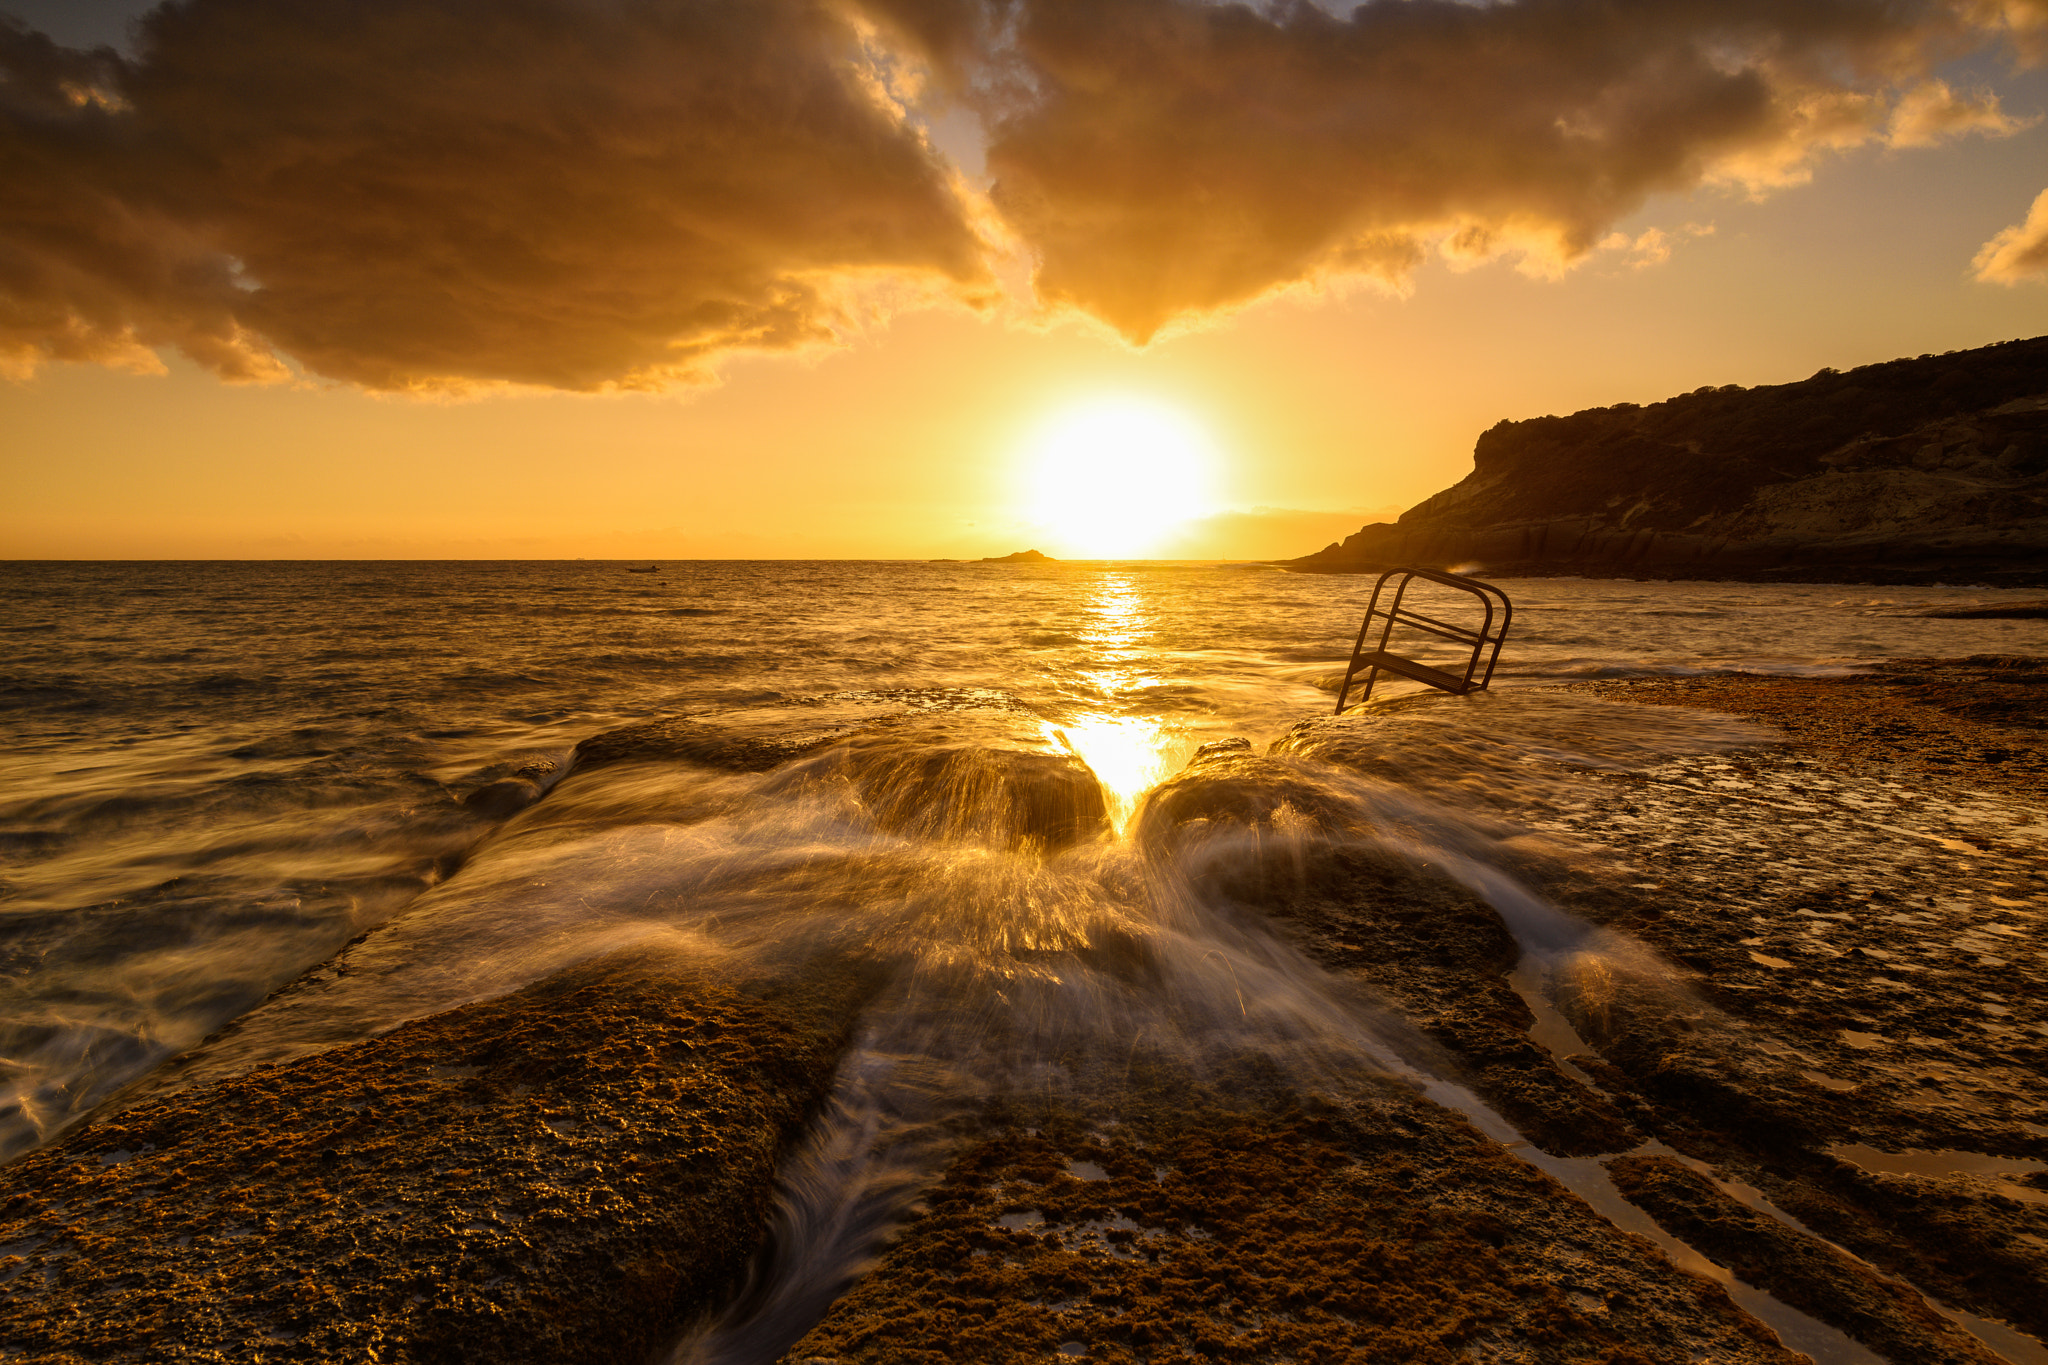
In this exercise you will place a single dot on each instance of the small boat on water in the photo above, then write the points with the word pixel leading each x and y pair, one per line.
pixel 649 569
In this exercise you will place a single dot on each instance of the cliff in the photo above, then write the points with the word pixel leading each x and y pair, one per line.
pixel 1923 470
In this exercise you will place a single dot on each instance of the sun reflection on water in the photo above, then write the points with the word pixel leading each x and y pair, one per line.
pixel 1127 753
pixel 1112 637
pixel 1130 754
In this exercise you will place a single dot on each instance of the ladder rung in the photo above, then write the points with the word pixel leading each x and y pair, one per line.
pixel 1408 668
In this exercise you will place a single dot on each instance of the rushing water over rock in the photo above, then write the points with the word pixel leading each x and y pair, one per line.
pixel 1076 821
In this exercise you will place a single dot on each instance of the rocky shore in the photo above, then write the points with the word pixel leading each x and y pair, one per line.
pixel 1928 470
pixel 569 1173
pixel 1166 1222
pixel 1796 1062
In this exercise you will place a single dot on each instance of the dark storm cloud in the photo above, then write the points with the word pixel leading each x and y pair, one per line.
pixel 555 192
pixel 581 193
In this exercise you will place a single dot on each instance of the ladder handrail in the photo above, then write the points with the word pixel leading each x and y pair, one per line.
pixel 1395 614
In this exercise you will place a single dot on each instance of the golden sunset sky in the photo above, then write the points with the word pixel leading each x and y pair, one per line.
pixel 882 278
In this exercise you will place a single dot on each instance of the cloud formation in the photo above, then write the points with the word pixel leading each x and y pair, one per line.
pixel 595 193
pixel 2018 253
pixel 573 193
pixel 1653 246
pixel 1162 156
pixel 1930 112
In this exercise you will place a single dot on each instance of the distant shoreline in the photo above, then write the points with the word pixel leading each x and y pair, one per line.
pixel 1957 579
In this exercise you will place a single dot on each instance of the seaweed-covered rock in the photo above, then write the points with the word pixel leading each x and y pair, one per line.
pixel 569 1173
pixel 1797 1270
pixel 1178 1220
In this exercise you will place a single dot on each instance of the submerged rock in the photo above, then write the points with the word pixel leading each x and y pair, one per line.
pixel 2005 611
pixel 502 799
pixel 758 738
pixel 753 740
pixel 569 1173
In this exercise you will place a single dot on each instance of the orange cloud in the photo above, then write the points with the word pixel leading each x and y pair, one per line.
pixel 2025 23
pixel 2018 253
pixel 1169 156
pixel 593 194
pixel 454 192
pixel 1930 111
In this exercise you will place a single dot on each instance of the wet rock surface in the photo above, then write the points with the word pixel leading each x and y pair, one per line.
pixel 569 1173
pixel 1425 944
pixel 1851 905
pixel 1795 1268
pixel 1174 1220
pixel 1857 913
pixel 1975 725
pixel 1442 956
pixel 1794 959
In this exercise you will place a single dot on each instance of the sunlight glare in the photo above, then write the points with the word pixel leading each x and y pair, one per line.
pixel 1113 477
pixel 1128 755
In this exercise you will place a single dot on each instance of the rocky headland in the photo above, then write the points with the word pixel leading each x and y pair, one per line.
pixel 1923 470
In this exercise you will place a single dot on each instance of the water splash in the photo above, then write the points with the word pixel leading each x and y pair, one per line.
pixel 1129 755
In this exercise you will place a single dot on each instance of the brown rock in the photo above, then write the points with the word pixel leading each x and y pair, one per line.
pixel 1176 1224
pixel 1882 1314
pixel 951 783
pixel 502 799
pixel 569 1173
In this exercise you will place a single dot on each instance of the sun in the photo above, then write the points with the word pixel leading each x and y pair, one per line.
pixel 1113 477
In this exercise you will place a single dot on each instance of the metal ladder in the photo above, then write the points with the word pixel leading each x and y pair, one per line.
pixel 1485 640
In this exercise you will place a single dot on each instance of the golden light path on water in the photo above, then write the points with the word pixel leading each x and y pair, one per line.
pixel 1130 754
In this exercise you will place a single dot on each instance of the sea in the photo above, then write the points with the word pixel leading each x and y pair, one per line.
pixel 219 776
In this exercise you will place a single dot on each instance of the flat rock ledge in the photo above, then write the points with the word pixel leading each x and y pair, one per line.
pixel 1170 1219
pixel 571 1173
pixel 1839 1290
